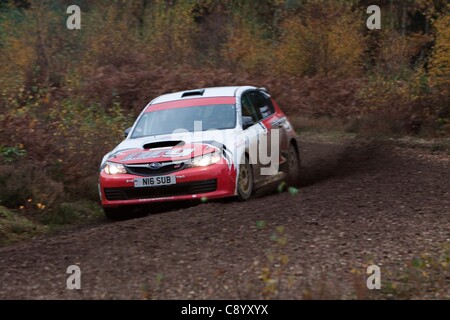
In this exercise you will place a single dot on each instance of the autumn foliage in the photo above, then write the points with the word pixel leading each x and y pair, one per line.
pixel 67 95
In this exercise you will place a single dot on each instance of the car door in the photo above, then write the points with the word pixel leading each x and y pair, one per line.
pixel 269 150
pixel 252 134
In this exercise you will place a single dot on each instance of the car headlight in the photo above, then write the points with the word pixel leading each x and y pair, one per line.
pixel 205 160
pixel 114 168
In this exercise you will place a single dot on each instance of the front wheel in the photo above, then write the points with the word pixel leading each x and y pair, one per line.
pixel 293 166
pixel 245 181
pixel 115 214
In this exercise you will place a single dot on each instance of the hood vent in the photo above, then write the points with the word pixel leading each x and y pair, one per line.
pixel 163 144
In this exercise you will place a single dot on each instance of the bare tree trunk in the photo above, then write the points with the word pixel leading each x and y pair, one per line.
pixel 141 16
pixel 43 60
pixel 391 9
pixel 404 16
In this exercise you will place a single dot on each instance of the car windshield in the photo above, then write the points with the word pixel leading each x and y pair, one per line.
pixel 197 118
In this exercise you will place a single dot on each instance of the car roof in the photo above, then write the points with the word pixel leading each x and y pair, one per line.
pixel 211 92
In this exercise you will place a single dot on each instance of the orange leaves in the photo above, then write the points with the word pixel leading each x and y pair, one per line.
pixel 246 47
pixel 327 44
pixel 440 62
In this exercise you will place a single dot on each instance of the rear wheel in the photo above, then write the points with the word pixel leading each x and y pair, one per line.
pixel 293 166
pixel 245 181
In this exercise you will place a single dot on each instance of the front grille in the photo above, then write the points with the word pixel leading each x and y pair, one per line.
pixel 180 189
pixel 165 169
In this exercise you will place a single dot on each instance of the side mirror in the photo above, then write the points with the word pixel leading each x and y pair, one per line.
pixel 247 122
pixel 127 131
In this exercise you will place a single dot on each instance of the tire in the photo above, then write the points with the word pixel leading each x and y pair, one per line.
pixel 245 181
pixel 116 214
pixel 293 166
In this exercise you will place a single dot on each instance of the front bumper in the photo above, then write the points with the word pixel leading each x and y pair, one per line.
pixel 215 181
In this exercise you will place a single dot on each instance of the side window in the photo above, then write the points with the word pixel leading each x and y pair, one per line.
pixel 262 104
pixel 247 108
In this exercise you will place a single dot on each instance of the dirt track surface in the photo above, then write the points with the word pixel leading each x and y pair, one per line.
pixel 359 203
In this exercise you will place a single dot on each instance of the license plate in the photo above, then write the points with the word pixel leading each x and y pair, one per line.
pixel 154 181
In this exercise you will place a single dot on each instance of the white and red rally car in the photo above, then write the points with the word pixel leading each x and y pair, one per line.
pixel 200 144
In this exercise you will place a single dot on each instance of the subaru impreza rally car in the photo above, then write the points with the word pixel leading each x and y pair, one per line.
pixel 200 144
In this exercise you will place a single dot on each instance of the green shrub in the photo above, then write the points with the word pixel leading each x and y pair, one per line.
pixel 15 227
pixel 72 212
pixel 12 154
pixel 28 186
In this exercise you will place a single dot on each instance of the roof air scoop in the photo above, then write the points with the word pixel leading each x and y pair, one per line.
pixel 192 93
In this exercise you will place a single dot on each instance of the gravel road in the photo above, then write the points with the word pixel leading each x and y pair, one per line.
pixel 359 203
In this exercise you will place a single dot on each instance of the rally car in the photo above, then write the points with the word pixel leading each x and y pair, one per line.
pixel 200 144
